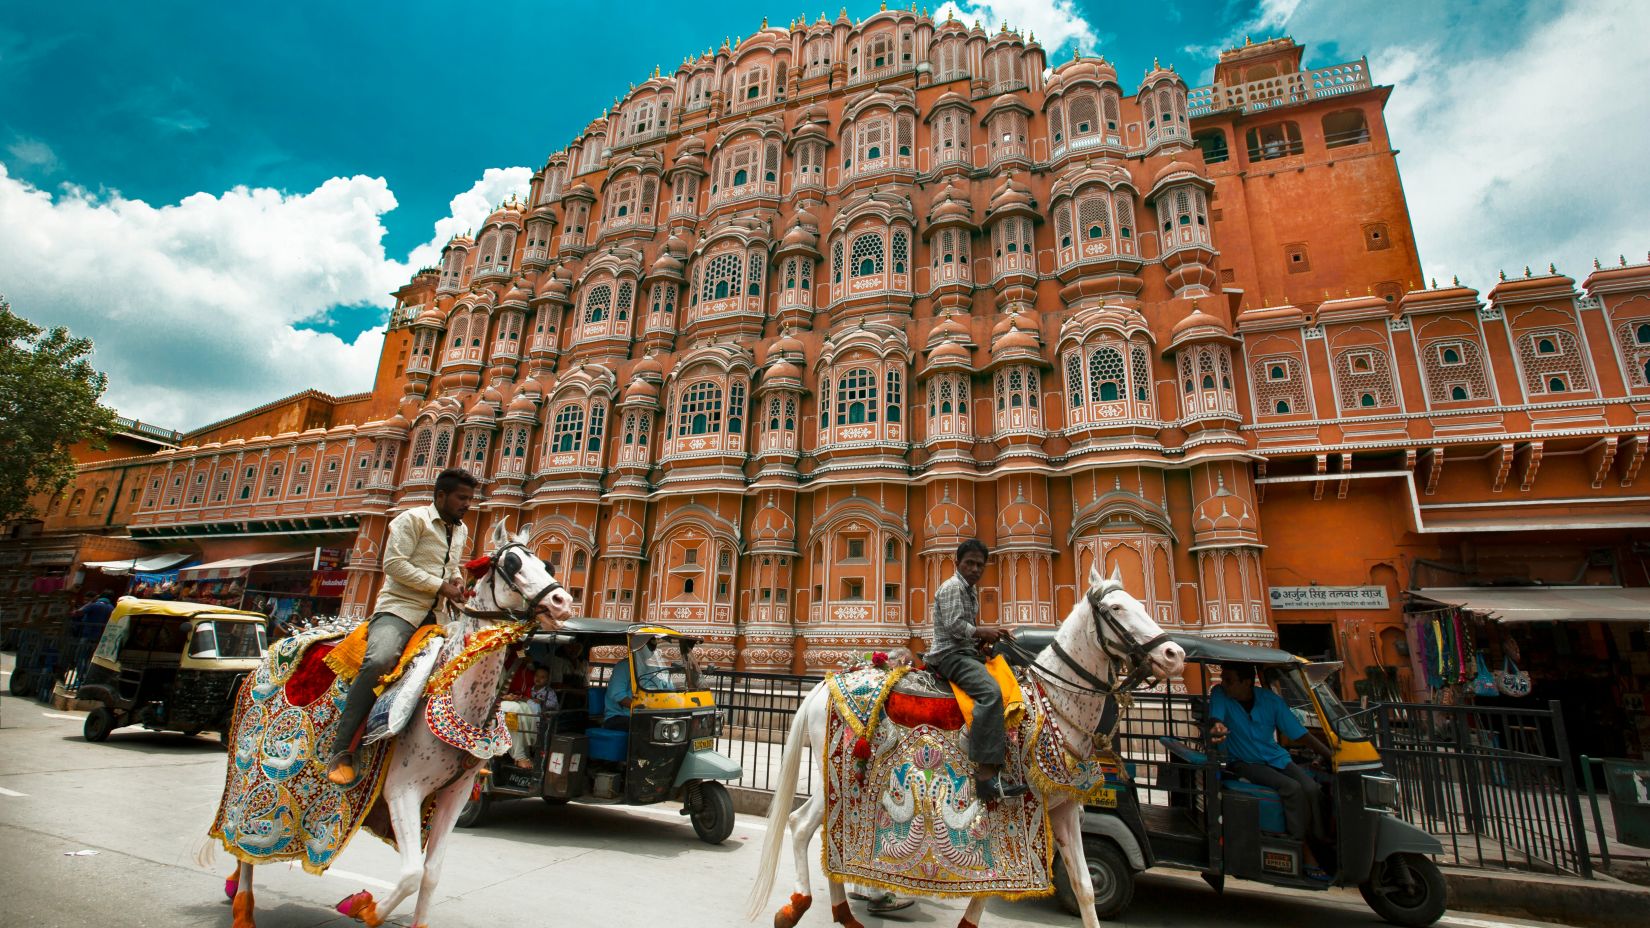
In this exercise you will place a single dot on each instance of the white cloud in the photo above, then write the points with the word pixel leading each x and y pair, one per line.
pixel 33 152
pixel 1518 146
pixel 1055 23
pixel 198 308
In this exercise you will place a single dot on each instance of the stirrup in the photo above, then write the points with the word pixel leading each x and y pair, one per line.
pixel 341 769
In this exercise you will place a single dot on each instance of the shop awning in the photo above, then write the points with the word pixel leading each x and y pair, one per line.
pixel 1548 604
pixel 149 564
pixel 239 566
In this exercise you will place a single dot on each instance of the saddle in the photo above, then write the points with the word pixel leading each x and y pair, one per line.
pixel 347 655
pixel 919 698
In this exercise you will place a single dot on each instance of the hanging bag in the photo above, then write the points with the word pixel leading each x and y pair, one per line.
pixel 1483 684
pixel 1510 680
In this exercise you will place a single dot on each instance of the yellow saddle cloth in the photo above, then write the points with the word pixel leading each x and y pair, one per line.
pixel 1014 703
pixel 346 657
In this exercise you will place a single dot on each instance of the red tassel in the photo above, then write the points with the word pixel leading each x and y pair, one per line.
pixel 862 749
pixel 480 565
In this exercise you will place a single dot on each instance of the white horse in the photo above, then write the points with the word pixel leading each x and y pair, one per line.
pixel 517 587
pixel 1106 628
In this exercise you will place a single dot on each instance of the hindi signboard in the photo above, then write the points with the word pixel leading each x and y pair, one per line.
pixel 1329 597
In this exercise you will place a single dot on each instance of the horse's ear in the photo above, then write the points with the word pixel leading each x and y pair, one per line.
pixel 520 538
pixel 500 536
pixel 1116 578
pixel 1094 577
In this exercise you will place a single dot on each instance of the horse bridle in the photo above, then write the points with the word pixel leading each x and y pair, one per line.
pixel 500 566
pixel 1132 654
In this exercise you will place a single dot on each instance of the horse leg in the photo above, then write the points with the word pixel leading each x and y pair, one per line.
pixel 840 912
pixel 448 803
pixel 803 823
pixel 241 903
pixel 976 911
pixel 406 807
pixel 1066 820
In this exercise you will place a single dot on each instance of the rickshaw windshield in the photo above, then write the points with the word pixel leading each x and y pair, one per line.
pixel 227 640
pixel 1306 693
pixel 652 664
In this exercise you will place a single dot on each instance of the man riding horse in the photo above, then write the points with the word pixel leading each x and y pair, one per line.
pixel 422 561
pixel 955 654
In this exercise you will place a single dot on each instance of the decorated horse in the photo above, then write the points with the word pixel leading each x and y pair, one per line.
pixel 897 797
pixel 435 723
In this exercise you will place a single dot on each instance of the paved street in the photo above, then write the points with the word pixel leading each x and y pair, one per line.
pixel 143 800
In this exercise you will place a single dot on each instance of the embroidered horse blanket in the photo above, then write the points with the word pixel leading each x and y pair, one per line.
pixel 277 802
pixel 900 806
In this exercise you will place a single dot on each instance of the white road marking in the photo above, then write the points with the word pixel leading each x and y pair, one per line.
pixel 352 877
pixel 1477 922
pixel 59 715
pixel 11 792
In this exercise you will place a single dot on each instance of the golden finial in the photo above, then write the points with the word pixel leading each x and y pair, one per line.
pixel 1075 55
pixel 1552 268
pixel 885 8
pixel 1596 266
pixel 1155 65
pixel 1246 42
pixel 1623 260
pixel 1502 274
pixel 1526 270
pixel 1434 283
pixel 764 22
pixel 1455 279
pixel 1345 292
pixel 1369 291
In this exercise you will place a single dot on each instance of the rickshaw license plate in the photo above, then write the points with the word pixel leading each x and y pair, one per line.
pixel 704 744
pixel 1106 799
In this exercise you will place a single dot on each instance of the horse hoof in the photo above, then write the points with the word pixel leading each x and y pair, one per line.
pixel 844 916
pixel 361 907
pixel 965 923
pixel 792 912
pixel 232 885
pixel 243 910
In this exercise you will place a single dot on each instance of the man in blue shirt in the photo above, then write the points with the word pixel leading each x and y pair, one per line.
pixel 1246 720
pixel 650 676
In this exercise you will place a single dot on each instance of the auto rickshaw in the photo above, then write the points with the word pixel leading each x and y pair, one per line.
pixel 667 750
pixel 170 666
pixel 1197 815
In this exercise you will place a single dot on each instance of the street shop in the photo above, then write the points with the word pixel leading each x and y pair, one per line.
pixel 1585 647
pixel 287 586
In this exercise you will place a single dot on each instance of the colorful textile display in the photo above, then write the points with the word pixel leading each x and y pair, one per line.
pixel 901 811
pixel 277 803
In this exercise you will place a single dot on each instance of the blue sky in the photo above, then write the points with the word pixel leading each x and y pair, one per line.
pixel 230 190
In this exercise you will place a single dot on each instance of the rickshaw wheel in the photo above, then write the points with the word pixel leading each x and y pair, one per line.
pixel 556 800
pixel 1406 889
pixel 99 722
pixel 474 810
pixel 21 682
pixel 713 821
pixel 1109 874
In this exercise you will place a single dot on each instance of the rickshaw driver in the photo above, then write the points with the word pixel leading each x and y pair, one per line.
pixel 1247 718
pixel 421 567
pixel 650 675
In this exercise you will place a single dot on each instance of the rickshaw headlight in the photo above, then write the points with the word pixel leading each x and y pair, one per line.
pixel 719 723
pixel 670 731
pixel 1380 791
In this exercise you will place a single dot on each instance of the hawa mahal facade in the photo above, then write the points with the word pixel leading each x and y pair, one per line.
pixel 766 341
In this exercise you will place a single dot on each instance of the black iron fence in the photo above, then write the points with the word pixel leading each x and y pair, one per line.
pixel 1495 785
pixel 47 657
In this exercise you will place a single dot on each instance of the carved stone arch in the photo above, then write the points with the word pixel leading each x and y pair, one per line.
pixel 1121 506
pixel 1117 320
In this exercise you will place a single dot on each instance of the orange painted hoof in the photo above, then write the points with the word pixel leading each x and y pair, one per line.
pixel 242 907
pixel 844 916
pixel 965 923
pixel 792 912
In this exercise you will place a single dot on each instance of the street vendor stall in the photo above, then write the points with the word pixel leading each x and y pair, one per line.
pixel 285 585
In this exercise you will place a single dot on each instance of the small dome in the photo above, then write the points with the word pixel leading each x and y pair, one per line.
pixel 1015 342
pixel 948 352
pixel 552 287
pixel 800 238
pixel 431 317
pixel 517 296
pixel 1023 520
pixel 950 328
pixel 951 207
pixel 785 344
pixel 648 367
pixel 640 389
pixel 782 370
pixel 397 423
pixel 666 265
pixel 522 405
pixel 1171 169
pixel 773 525
pixel 1197 319
pixel 1010 194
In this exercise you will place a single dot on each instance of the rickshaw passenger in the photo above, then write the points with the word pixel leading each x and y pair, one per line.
pixel 538 700
pixel 1247 719
pixel 649 675
pixel 567 666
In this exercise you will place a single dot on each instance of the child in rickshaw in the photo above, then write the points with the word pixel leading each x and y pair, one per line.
pixel 538 700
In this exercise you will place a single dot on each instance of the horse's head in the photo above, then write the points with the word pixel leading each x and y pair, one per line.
pixel 515 581
pixel 1127 631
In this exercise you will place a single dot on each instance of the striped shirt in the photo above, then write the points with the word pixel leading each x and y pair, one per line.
pixel 956 609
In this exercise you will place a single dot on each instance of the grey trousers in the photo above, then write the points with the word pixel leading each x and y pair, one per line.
pixel 1302 808
pixel 987 741
pixel 387 637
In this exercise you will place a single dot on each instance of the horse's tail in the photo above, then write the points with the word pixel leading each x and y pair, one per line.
pixel 779 810
pixel 207 854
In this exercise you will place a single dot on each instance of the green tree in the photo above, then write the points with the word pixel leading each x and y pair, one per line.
pixel 49 395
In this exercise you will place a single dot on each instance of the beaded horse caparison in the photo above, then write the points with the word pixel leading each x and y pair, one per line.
pixel 280 806
pixel 1070 683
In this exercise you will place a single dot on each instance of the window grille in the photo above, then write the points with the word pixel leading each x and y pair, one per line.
pixel 867 254
pixel 1105 374
pixel 569 428
pixel 856 397
pixel 701 409
pixel 597 303
pixel 721 277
